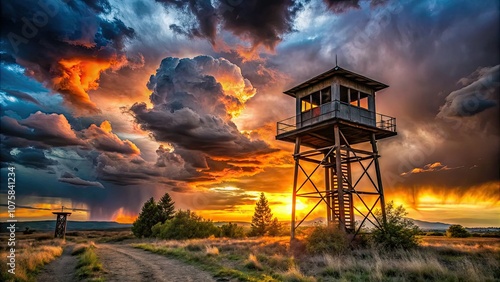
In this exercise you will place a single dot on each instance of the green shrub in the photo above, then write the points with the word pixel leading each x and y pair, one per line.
pixel 457 231
pixel 231 231
pixel 398 231
pixel 185 225
pixel 327 239
pixel 434 233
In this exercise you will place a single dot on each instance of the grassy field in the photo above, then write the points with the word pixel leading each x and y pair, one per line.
pixel 32 252
pixel 273 259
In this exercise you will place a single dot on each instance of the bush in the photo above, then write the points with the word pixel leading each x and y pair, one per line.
pixel 398 231
pixel 185 225
pixel 231 231
pixel 327 239
pixel 457 231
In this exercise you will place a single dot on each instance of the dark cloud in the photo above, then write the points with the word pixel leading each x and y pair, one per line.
pixel 206 18
pixel 33 158
pixel 256 21
pixel 341 6
pixel 21 95
pixel 261 22
pixel 67 177
pixel 40 128
pixel 480 92
pixel 64 45
pixel 192 110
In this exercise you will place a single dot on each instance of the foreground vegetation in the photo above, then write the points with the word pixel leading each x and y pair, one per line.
pixel 89 265
pixel 31 255
pixel 274 259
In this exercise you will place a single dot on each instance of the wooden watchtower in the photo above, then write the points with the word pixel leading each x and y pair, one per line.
pixel 61 222
pixel 335 118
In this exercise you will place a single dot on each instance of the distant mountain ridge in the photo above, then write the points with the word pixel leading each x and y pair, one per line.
pixel 49 225
pixel 424 225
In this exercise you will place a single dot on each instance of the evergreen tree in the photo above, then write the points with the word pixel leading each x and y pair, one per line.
pixel 149 216
pixel 166 208
pixel 262 217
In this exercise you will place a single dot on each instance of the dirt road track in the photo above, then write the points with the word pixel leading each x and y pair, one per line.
pixel 62 269
pixel 125 263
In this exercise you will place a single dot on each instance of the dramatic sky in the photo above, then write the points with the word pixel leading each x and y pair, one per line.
pixel 105 104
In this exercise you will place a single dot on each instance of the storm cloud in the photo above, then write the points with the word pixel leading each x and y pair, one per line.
pixel 64 45
pixel 257 22
pixel 480 91
pixel 192 109
pixel 74 180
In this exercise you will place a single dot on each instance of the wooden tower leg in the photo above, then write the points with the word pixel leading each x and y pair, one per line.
pixel 294 192
pixel 329 206
pixel 373 141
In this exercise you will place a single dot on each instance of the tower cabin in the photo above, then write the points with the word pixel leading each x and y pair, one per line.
pixel 340 97
pixel 334 111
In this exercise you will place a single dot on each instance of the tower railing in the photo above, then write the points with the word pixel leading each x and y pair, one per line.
pixel 337 109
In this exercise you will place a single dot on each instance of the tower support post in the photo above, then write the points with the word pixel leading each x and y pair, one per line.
pixel 380 189
pixel 329 215
pixel 295 179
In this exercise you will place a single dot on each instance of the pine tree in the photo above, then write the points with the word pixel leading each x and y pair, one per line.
pixel 166 208
pixel 262 217
pixel 149 216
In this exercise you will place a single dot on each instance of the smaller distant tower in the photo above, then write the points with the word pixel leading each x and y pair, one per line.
pixel 61 221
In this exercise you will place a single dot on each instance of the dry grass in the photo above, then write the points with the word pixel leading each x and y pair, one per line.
pixel 273 259
pixel 211 251
pixel 30 256
pixel 293 274
pixel 253 263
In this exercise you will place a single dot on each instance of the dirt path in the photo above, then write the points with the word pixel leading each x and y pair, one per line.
pixel 62 269
pixel 125 263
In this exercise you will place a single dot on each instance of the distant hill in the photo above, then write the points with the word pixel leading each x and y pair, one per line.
pixel 424 225
pixel 49 225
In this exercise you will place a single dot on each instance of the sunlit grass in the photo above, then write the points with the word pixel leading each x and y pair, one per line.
pixel 273 259
pixel 30 257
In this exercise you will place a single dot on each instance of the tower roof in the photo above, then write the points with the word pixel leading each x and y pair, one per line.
pixel 338 71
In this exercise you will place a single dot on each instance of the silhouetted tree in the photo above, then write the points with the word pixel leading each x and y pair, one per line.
pixel 149 216
pixel 262 217
pixel 166 208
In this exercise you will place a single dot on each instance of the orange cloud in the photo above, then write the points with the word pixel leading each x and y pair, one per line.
pixel 102 138
pixel 437 166
pixel 76 76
